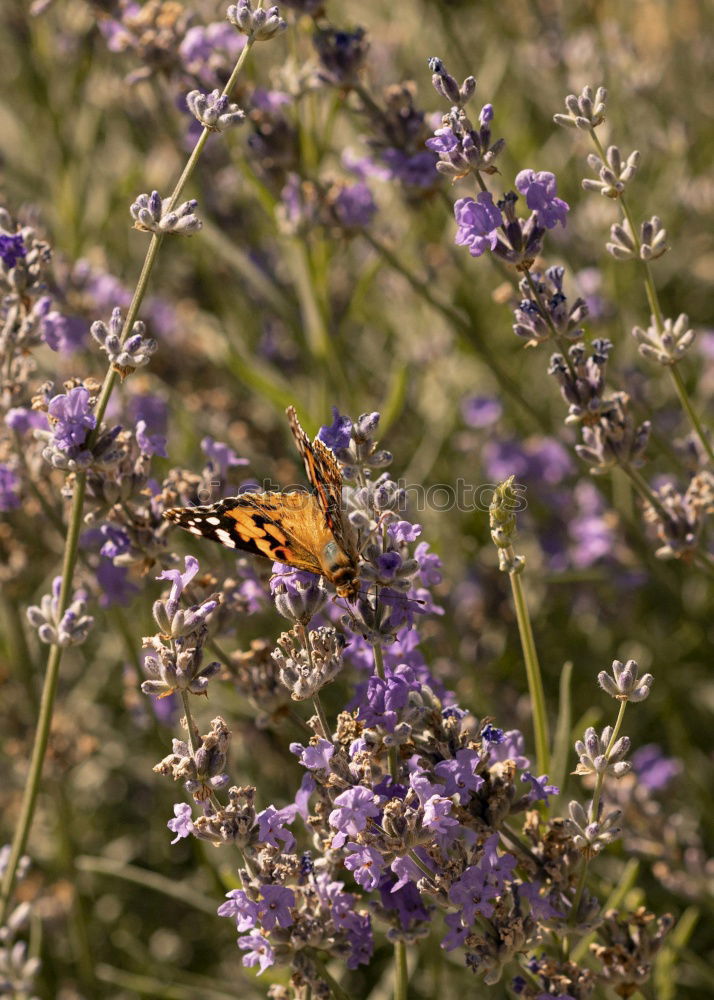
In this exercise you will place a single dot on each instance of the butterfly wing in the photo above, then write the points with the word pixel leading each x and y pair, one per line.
pixel 325 476
pixel 285 527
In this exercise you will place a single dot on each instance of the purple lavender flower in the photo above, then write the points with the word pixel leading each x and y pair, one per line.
pixel 152 410
pixel 477 223
pixel 458 774
pixel 12 248
pixel 338 434
pixel 182 823
pixel 443 141
pixel 116 541
pixel 540 789
pixel 179 582
pixel 115 584
pixel 314 757
pixel 404 532
pixel 417 170
pixel 220 456
pixel 9 488
pixel 20 419
pixel 71 418
pixel 481 411
pixel 355 206
pixel 271 822
pixel 239 907
pixel 653 769
pixel 510 747
pixel 539 190
pixel 258 951
pixel 150 444
pixel 275 906
pixel 367 865
pixel 354 808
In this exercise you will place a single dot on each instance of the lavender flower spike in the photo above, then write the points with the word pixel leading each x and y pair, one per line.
pixel 585 112
pixel 71 627
pixel 214 111
pixel 151 214
pixel 625 684
pixel 259 25
pixel 136 350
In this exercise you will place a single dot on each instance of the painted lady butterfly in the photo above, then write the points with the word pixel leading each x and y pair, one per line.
pixel 309 531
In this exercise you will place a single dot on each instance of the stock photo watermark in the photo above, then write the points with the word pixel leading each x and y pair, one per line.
pixel 459 496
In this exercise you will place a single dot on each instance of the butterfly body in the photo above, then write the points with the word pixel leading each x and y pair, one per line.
pixel 304 530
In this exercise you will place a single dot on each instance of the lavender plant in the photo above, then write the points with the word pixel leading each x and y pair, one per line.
pixel 369 756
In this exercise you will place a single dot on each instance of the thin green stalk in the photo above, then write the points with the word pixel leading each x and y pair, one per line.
pixel 456 319
pixel 180 891
pixel 49 690
pixel 190 724
pixel 324 725
pixel 44 721
pixel 533 673
pixel 401 973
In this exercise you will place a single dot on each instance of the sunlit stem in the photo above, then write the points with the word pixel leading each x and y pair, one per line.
pixel 49 688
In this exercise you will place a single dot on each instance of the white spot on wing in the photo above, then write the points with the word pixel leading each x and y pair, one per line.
pixel 224 537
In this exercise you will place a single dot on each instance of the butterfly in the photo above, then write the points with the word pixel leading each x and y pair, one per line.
pixel 309 531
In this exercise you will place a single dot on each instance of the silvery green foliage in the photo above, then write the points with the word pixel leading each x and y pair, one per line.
pixel 136 350
pixel 625 684
pixel 584 112
pixel 70 628
pixel 668 345
pixel 613 173
pixel 214 111
pixel 259 25
pixel 151 214
pixel 596 758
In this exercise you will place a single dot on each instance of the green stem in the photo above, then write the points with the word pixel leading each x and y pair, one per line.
pixel 533 673
pixel 401 975
pixel 49 690
pixel 692 414
pixel 190 724
pixel 324 725
pixel 457 320
pixel 44 721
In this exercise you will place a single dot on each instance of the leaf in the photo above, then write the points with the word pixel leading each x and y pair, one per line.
pixel 562 737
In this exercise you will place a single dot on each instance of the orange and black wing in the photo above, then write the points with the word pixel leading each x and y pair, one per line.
pixel 325 476
pixel 284 527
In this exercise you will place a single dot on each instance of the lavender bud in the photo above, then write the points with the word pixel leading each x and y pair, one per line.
pixel 585 112
pixel 653 239
pixel 304 671
pixel 151 214
pixel 443 82
pixel 259 25
pixel 624 684
pixel 136 350
pixel 214 111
